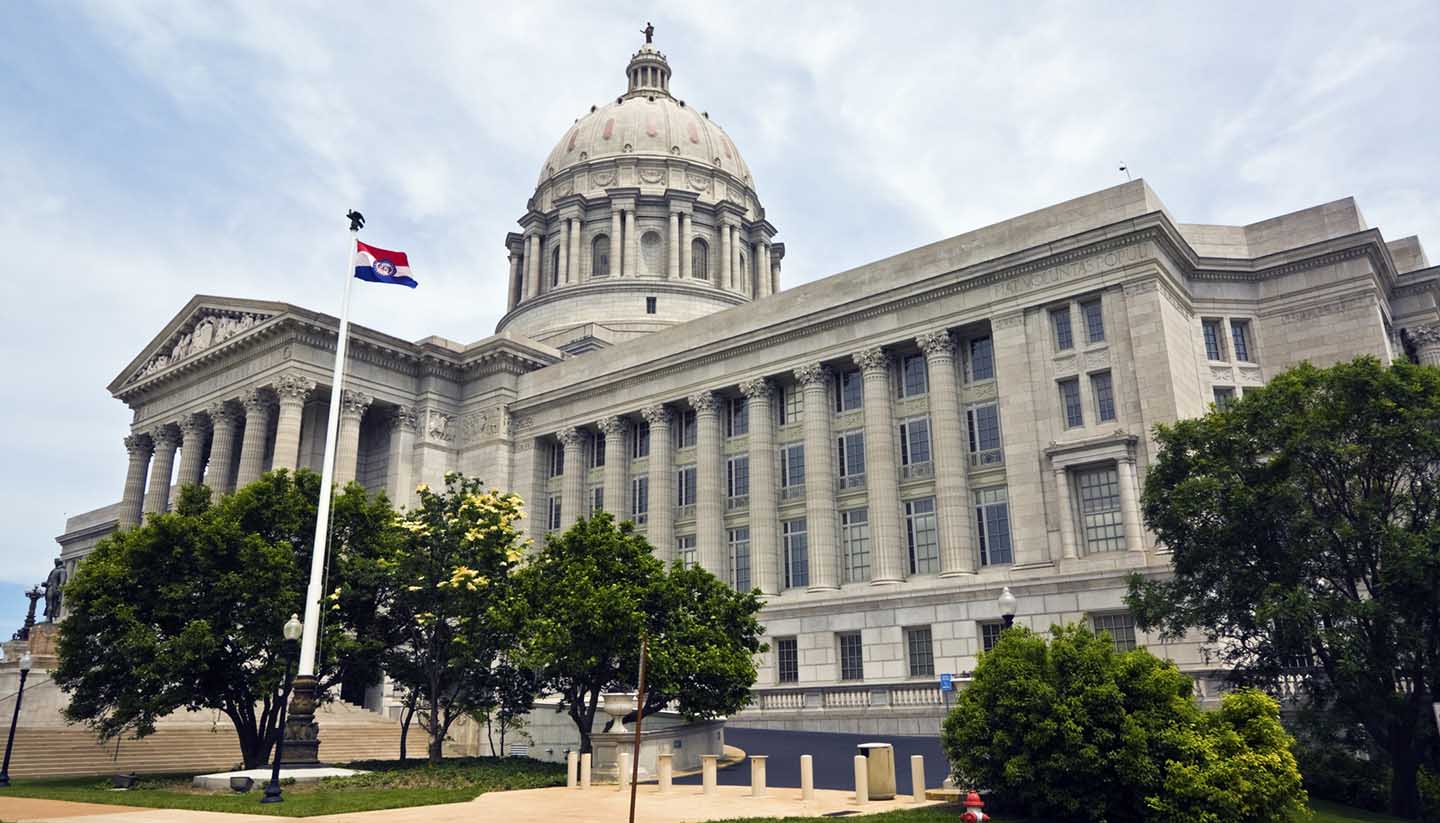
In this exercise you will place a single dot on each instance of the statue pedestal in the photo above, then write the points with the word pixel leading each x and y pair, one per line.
pixel 44 641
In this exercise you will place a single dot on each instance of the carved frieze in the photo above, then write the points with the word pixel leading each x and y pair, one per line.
pixel 981 391
pixel 208 328
pixel 651 175
pixel 437 426
pixel 698 182
pixel 1065 364
pixel 1221 374
pixel 1251 374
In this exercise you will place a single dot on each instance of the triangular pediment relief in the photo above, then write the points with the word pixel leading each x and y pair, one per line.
pixel 200 327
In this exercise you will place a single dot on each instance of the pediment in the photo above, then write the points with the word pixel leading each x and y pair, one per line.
pixel 204 325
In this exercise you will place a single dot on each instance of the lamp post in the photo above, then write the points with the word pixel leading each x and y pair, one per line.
pixel 292 630
pixel 1006 601
pixel 25 664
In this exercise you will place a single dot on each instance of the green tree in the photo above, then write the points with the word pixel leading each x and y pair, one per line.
pixel 1305 525
pixel 446 641
pixel 184 611
pixel 1070 729
pixel 586 599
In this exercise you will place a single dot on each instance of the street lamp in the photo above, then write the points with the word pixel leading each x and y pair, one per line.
pixel 25 664
pixel 1006 601
pixel 291 631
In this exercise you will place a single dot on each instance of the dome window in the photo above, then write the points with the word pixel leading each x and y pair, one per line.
pixel 699 266
pixel 650 305
pixel 600 256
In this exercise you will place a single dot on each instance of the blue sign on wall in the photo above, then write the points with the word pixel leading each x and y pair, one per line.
pixel 947 682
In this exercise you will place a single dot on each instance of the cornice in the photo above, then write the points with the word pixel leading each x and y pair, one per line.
pixel 648 285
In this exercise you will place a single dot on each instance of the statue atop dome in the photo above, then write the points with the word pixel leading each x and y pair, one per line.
pixel 649 32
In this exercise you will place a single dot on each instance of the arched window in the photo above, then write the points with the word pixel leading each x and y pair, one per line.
pixel 699 265
pixel 600 256
pixel 555 267
pixel 742 278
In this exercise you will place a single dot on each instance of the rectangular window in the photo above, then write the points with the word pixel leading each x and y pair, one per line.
pixel 640 441
pixel 787 660
pixel 649 305
pixel 597 452
pixel 850 453
pixel 1104 390
pixel 597 500
pixel 992 523
pixel 1100 510
pixel 739 540
pixel 1240 338
pixel 979 360
pixel 1060 322
pixel 1224 396
pixel 1070 402
pixel 737 477
pixel 921 536
pixel 1094 321
pixel 990 634
pixel 797 561
pixel 553 520
pixel 640 498
pixel 685 429
pixel 913 379
pixel 849 391
pixel 1213 348
pixel 685 486
pixel 792 405
pixel 921 651
pixel 915 442
pixel 1121 628
pixel 855 544
pixel 852 656
pixel 984 425
pixel 792 466
pixel 557 460
pixel 737 422
pixel 685 550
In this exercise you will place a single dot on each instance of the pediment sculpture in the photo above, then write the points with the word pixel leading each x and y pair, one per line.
pixel 209 328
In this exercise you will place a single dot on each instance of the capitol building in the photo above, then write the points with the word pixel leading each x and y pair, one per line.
pixel 878 452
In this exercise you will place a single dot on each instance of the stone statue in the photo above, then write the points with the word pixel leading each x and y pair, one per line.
pixel 649 32
pixel 204 334
pixel 53 586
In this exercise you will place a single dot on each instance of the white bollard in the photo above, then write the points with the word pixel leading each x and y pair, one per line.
pixel 585 770
pixel 622 766
pixel 757 775
pixel 572 769
pixel 807 778
pixel 666 766
pixel 707 769
pixel 917 777
pixel 862 780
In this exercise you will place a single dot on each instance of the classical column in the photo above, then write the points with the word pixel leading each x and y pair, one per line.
pixel 576 253
pixel 223 422
pixel 762 269
pixel 292 390
pixel 1427 344
pixel 252 446
pixel 132 500
pixel 514 295
pixel 1068 548
pixel 723 280
pixel 192 450
pixel 157 492
pixel 764 512
pixel 673 261
pixel 632 245
pixel 401 486
pixel 1129 504
pixel 820 514
pixel 737 271
pixel 710 548
pixel 947 449
pixel 532 265
pixel 563 275
pixel 572 488
pixel 774 276
pixel 661 530
pixel 616 233
pixel 687 230
pixel 617 466
pixel 887 550
pixel 347 444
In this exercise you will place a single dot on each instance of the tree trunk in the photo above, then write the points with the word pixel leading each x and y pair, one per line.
pixel 405 723
pixel 1404 789
pixel 254 744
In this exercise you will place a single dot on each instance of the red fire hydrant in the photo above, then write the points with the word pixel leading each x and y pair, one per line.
pixel 973 807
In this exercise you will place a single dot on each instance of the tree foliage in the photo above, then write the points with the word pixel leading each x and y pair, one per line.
pixel 1305 525
pixel 1070 729
pixel 185 611
pixel 584 602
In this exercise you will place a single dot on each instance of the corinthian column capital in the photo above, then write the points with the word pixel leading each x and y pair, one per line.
pixel 872 359
pixel 812 374
pixel 293 388
pixel 937 343
pixel 612 426
pixel 571 438
pixel 757 389
pixel 705 402
pixel 138 444
pixel 405 419
pixel 1424 335
pixel 190 426
pixel 165 437
pixel 354 403
pixel 657 415
pixel 221 413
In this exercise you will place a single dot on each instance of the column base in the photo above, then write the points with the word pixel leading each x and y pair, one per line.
pixel 302 733
pixel 960 573
pixel 887 581
pixel 823 589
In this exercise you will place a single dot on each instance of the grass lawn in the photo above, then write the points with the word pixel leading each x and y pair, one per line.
pixel 1324 813
pixel 390 784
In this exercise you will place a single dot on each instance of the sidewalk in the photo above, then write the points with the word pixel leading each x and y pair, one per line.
pixel 601 804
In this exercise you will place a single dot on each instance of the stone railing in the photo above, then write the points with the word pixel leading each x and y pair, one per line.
pixel 917 471
pixel 685 512
pixel 912 695
pixel 738 502
pixel 989 457
pixel 792 492
pixel 851 481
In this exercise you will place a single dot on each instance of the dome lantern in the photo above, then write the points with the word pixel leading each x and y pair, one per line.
pixel 648 72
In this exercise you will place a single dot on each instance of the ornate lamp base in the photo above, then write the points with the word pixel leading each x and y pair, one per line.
pixel 302 733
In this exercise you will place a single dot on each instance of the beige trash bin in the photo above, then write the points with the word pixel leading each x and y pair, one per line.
pixel 880 764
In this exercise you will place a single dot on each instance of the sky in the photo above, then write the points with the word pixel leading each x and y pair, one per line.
pixel 152 150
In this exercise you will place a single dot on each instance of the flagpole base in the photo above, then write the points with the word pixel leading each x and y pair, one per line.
pixel 302 733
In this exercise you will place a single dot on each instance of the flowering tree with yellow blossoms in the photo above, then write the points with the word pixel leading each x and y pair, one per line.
pixel 450 573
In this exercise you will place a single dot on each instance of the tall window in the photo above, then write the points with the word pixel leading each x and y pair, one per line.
pixel 1121 628
pixel 597 452
pixel 699 265
pixel 990 634
pixel 920 649
pixel 685 550
pixel 792 465
pixel 855 544
pixel 737 477
pixel 685 429
pixel 1094 321
pixel 913 379
pixel 739 541
pixel 1100 510
pixel 1070 402
pixel 737 418
pixel 555 267
pixel 640 441
pixel 850 452
pixel 1213 348
pixel 921 536
pixel 849 391
pixel 792 405
pixel 640 498
pixel 685 486
pixel 1104 390
pixel 852 656
pixel 1224 396
pixel 795 545
pixel 1060 322
pixel 787 660
pixel 600 256
pixel 1240 338
pixel 552 522
pixel 915 441
pixel 992 523
pixel 557 459
pixel 979 360
pixel 984 425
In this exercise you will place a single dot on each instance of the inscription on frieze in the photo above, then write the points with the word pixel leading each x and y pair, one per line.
pixel 1094 264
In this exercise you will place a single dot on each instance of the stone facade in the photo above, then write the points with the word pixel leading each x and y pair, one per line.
pixel 878 452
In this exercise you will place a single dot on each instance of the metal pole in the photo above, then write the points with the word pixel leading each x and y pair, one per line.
pixel 639 717
pixel 15 720
pixel 272 791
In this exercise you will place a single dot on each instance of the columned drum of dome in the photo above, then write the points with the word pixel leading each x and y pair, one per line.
pixel 623 233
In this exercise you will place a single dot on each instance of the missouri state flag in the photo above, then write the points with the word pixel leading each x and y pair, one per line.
pixel 381 266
